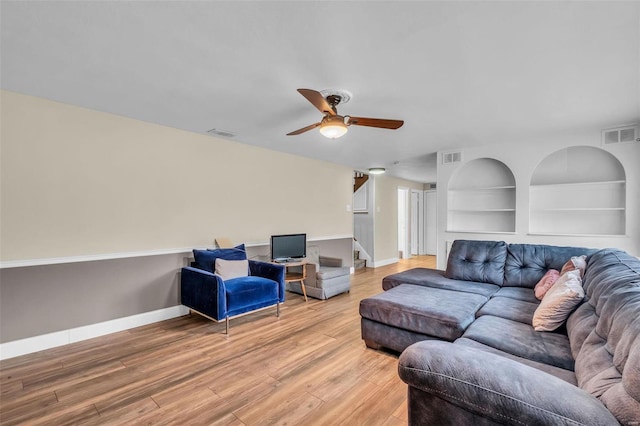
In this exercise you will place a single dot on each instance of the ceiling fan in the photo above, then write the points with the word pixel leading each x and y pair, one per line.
pixel 333 125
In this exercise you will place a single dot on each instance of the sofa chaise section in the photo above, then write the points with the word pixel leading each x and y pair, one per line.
pixel 410 313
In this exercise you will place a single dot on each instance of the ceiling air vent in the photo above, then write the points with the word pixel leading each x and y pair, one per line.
pixel 622 134
pixel 223 133
pixel 451 157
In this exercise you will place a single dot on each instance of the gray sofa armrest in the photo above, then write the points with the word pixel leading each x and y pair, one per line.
pixel 332 262
pixel 472 384
pixel 311 279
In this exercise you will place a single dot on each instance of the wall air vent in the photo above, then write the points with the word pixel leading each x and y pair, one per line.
pixel 223 133
pixel 451 157
pixel 622 134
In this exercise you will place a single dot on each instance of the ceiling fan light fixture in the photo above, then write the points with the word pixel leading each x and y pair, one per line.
pixel 377 170
pixel 333 127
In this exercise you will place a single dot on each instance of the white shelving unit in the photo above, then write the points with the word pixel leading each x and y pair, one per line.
pixel 482 198
pixel 588 199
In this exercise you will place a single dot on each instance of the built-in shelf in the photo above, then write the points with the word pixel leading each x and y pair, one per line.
pixel 481 232
pixel 579 209
pixel 577 235
pixel 482 198
pixel 578 191
pixel 482 210
pixel 577 184
pixel 483 188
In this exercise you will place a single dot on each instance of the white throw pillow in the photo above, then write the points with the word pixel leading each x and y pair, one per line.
pixel 228 269
pixel 559 302
pixel 576 262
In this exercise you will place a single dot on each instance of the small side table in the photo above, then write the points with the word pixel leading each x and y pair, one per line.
pixel 290 277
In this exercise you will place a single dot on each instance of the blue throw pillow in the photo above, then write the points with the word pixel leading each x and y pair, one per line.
pixel 206 259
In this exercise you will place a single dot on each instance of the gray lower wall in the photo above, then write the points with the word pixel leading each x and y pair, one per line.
pixel 37 300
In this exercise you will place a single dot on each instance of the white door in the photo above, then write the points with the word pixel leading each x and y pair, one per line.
pixel 431 221
pixel 403 223
pixel 415 220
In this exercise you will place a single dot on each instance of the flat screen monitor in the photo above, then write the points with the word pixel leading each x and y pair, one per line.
pixel 291 246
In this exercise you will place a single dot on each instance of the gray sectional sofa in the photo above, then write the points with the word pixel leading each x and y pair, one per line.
pixel 471 356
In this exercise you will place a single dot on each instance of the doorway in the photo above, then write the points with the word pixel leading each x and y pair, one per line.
pixel 404 238
pixel 417 222
pixel 430 222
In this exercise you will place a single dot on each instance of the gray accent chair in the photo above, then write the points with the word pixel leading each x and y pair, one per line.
pixel 326 276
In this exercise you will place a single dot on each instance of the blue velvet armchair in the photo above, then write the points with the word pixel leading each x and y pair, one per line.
pixel 208 294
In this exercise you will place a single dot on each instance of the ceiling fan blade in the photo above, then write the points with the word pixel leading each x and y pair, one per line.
pixel 304 129
pixel 375 122
pixel 317 100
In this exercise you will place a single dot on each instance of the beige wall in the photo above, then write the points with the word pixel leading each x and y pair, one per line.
pixel 386 215
pixel 80 182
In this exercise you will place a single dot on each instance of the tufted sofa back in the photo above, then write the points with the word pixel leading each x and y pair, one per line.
pixel 479 261
pixel 527 263
pixel 508 265
pixel 604 333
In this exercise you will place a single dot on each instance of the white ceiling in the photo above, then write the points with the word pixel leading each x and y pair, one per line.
pixel 459 73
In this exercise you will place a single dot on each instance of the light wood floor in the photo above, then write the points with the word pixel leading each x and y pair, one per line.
pixel 308 367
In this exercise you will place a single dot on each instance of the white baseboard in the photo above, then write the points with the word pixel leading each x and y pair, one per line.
pixel 64 337
pixel 385 262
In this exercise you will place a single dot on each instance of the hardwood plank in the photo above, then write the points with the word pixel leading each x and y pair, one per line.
pixel 63 414
pixel 9 388
pixel 334 411
pixel 402 412
pixel 309 366
pixel 195 408
pixel 282 408
pixel 385 400
pixel 28 406
pixel 124 415
pixel 70 376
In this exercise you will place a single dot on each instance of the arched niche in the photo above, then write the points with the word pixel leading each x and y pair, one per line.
pixel 482 198
pixel 579 190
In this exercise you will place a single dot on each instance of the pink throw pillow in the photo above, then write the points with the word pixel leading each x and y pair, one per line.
pixel 546 282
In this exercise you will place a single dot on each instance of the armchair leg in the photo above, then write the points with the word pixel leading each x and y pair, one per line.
pixel 227 326
pixel 278 309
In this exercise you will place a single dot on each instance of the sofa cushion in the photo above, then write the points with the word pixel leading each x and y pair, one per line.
pixel 605 333
pixel 518 293
pixel 481 261
pixel 527 263
pixel 435 278
pixel 566 375
pixel 505 307
pixel 327 272
pixel 430 311
pixel 206 259
pixel 248 293
pixel 522 340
